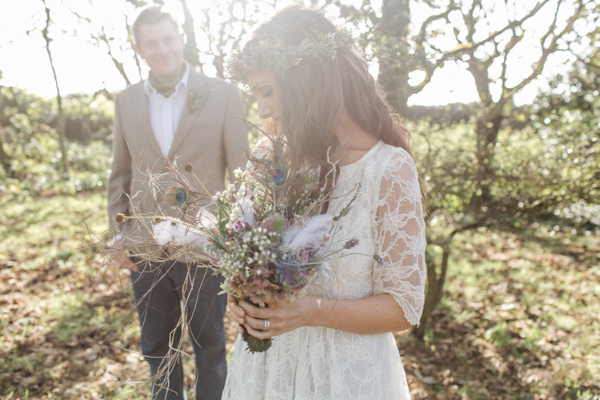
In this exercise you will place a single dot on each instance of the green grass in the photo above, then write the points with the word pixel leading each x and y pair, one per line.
pixel 69 327
pixel 518 321
pixel 535 307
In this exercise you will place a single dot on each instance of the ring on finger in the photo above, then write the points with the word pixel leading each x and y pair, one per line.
pixel 267 324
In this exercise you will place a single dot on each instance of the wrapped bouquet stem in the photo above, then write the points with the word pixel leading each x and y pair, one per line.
pixel 256 345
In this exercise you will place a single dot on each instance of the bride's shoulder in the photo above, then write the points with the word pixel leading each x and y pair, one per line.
pixel 391 157
pixel 263 148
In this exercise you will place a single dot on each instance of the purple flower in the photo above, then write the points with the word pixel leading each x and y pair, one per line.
pixel 305 256
pixel 238 225
pixel 297 281
pixel 351 243
pixel 379 260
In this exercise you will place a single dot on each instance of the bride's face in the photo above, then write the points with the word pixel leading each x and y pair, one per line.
pixel 263 84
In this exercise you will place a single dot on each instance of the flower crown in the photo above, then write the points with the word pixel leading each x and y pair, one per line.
pixel 272 54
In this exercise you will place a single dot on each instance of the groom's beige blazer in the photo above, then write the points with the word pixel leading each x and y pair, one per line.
pixel 211 136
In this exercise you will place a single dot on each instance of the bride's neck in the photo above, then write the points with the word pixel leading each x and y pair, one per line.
pixel 354 141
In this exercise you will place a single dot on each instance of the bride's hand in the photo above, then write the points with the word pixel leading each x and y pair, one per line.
pixel 237 312
pixel 283 316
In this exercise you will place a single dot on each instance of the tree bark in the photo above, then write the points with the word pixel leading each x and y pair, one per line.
pixel 393 69
pixel 117 63
pixel 435 289
pixel 190 51
pixel 486 130
pixel 4 157
pixel 60 118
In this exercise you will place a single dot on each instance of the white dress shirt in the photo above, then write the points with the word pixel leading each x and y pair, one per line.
pixel 165 112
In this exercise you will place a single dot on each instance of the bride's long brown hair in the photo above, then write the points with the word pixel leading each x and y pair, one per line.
pixel 315 93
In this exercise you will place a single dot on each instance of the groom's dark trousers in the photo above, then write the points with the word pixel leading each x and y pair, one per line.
pixel 160 291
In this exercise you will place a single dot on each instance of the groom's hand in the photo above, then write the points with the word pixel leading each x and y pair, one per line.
pixel 121 257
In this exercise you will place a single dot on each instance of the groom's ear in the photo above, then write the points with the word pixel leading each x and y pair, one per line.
pixel 136 47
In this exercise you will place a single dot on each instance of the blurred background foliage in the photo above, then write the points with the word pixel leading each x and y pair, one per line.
pixel 497 172
pixel 30 150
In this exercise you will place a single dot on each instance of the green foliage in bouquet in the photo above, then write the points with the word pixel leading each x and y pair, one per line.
pixel 256 345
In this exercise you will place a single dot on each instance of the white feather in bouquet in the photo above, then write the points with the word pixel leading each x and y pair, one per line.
pixel 243 210
pixel 169 232
pixel 206 219
pixel 308 234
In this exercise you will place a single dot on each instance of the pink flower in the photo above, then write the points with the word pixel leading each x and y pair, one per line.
pixel 305 256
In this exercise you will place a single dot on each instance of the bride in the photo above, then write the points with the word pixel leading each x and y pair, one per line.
pixel 337 342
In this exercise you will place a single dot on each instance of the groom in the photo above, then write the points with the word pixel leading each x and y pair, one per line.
pixel 175 114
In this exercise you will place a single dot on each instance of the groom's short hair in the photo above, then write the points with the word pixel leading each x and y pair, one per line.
pixel 151 15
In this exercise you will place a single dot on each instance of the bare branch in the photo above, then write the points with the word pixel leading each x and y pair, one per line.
pixel 420 38
pixel 471 47
pixel 102 37
pixel 512 24
pixel 470 21
pixel 546 51
pixel 117 63
pixel 60 119
pixel 514 40
pixel 476 68
pixel 585 61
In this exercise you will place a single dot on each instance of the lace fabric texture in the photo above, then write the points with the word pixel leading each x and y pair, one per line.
pixel 322 363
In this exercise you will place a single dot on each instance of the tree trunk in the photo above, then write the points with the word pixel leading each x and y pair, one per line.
pixel 487 136
pixel 60 120
pixel 435 288
pixel 393 71
pixel 190 51
pixel 4 158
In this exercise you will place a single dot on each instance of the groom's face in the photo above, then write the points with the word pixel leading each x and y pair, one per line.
pixel 161 46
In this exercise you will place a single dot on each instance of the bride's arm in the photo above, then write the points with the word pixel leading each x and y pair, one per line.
pixel 374 314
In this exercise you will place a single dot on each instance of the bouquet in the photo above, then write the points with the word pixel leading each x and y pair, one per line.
pixel 266 235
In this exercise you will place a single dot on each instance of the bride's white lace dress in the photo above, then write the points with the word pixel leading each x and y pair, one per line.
pixel 327 364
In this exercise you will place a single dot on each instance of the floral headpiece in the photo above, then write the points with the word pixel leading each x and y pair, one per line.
pixel 274 55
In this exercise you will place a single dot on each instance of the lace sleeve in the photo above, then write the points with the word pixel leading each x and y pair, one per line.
pixel 400 234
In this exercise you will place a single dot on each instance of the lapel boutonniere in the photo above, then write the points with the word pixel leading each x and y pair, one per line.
pixel 194 100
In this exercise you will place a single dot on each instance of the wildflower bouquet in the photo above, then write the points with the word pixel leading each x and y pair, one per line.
pixel 266 235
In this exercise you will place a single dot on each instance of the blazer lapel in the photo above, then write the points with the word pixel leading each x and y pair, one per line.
pixel 141 113
pixel 191 110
